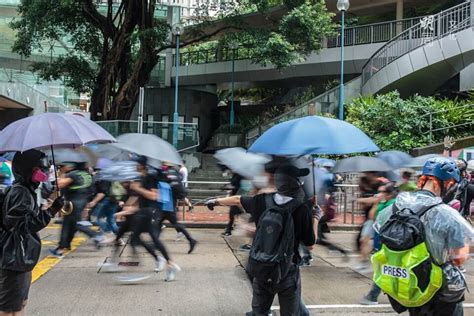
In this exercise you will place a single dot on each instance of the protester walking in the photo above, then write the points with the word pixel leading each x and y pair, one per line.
pixel 419 230
pixel 21 220
pixel 284 220
pixel 77 187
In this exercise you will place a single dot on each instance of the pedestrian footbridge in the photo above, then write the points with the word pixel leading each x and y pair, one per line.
pixel 418 60
pixel 423 57
pixel 215 66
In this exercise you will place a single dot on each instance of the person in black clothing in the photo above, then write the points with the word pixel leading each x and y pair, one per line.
pixel 77 187
pixel 19 210
pixel 162 215
pixel 234 210
pixel 289 288
pixel 139 212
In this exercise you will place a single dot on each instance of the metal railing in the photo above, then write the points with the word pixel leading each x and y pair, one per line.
pixel 429 29
pixel 188 133
pixel 357 35
pixel 326 104
pixel 469 117
pixel 24 94
pixel 346 202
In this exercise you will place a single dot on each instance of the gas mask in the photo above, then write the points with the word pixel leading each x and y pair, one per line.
pixel 38 175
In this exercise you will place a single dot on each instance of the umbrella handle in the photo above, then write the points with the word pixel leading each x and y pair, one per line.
pixel 55 171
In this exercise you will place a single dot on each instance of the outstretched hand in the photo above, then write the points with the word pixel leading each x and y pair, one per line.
pixel 211 204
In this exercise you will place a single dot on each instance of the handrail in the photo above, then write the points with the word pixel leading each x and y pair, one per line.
pixel 427 30
pixel 356 35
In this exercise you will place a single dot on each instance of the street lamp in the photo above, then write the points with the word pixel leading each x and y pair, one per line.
pixel 233 46
pixel 342 6
pixel 177 29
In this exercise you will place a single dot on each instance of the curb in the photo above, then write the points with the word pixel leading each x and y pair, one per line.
pixel 335 227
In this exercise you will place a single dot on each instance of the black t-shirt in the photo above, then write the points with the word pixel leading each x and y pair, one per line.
pixel 256 205
pixel 149 182
pixel 81 186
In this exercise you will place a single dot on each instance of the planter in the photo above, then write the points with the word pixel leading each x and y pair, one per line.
pixel 225 140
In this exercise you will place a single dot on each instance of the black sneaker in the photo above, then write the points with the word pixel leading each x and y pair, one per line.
pixel 226 234
pixel 192 245
pixel 245 247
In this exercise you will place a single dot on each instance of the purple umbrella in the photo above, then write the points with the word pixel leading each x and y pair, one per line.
pixel 51 129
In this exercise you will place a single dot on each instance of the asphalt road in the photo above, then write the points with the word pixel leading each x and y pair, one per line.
pixel 212 281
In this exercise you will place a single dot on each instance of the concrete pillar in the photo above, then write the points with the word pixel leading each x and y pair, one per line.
pixel 466 78
pixel 399 16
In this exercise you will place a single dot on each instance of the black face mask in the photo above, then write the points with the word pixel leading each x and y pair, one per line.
pixel 287 185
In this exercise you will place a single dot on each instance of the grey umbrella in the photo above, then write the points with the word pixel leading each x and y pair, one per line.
pixel 150 146
pixel 63 155
pixel 110 152
pixel 419 162
pixel 361 164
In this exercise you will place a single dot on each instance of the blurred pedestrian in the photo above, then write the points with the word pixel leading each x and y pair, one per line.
pixel 21 220
pixel 183 171
pixel 76 185
pixel 406 184
pixel 387 194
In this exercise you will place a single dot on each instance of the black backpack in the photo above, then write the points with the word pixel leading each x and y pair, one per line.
pixel 272 250
pixel 404 229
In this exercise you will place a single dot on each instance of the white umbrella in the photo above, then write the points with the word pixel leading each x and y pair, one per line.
pixel 248 165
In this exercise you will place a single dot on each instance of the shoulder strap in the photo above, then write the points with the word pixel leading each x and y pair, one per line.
pixel 269 202
pixel 425 209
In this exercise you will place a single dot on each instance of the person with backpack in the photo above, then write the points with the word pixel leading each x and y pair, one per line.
pixel 77 186
pixel 167 206
pixel 284 220
pixel 423 243
pixel 21 220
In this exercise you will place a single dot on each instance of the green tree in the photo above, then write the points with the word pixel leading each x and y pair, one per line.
pixel 116 46
pixel 397 124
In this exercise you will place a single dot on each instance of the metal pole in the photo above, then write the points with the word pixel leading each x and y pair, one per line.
pixel 175 115
pixel 232 114
pixel 140 110
pixel 341 86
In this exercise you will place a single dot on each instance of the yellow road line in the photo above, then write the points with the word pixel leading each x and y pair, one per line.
pixel 49 262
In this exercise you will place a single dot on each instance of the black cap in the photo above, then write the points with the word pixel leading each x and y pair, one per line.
pixel 292 171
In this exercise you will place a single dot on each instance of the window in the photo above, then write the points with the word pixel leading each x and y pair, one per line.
pixel 150 118
pixel 181 128
pixel 165 127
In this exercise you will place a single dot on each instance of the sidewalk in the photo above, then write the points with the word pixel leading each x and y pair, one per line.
pixel 219 217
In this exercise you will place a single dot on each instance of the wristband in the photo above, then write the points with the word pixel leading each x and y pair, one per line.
pixel 447 148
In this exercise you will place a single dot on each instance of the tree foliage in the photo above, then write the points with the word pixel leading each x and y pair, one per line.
pixel 397 124
pixel 113 48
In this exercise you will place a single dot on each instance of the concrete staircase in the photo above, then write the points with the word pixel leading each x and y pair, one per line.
pixel 208 172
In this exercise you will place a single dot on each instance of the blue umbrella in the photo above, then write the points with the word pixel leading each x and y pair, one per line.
pixel 395 158
pixel 313 135
pixel 325 162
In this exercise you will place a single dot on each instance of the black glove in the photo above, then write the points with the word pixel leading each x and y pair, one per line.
pixel 57 205
pixel 46 190
pixel 211 204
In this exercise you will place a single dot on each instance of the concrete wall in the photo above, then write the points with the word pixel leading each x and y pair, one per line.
pixel 192 103
pixel 466 78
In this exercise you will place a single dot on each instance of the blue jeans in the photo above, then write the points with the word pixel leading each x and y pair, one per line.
pixel 106 208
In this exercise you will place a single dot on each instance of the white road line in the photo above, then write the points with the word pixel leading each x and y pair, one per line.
pixel 336 306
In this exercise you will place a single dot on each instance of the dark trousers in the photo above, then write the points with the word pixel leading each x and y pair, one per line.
pixel 138 223
pixel 433 308
pixel 70 226
pixel 322 240
pixel 160 216
pixel 233 212
pixel 288 291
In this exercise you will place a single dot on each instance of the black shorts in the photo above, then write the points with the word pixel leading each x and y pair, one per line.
pixel 14 288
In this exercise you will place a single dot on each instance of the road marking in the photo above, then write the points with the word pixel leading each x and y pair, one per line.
pixel 338 306
pixel 49 262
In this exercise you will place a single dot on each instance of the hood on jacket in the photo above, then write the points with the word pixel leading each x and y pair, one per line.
pixel 23 164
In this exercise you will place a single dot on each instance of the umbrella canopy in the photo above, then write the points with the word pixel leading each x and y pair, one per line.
pixel 150 146
pixel 51 129
pixel 361 164
pixel 110 152
pixel 63 155
pixel 242 162
pixel 313 135
pixel 395 158
pixel 120 171
pixel 419 162
pixel 324 162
